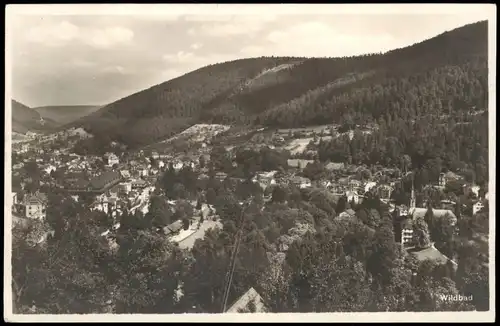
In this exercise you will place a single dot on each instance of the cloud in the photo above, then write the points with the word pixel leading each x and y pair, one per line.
pixel 105 38
pixel 196 46
pixel 236 25
pixel 322 39
pixel 115 70
pixel 53 34
pixel 252 50
pixel 60 33
pixel 81 63
pixel 180 57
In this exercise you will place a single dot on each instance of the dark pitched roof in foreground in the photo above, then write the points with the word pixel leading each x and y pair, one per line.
pixel 244 302
pixel 433 254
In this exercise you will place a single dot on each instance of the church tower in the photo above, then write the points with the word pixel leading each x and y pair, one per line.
pixel 413 200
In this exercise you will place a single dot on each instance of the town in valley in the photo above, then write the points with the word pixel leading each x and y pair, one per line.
pixel 274 184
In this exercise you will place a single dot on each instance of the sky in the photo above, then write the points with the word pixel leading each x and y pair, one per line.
pixel 85 57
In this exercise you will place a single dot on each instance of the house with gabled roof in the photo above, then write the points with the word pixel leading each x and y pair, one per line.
pixel 33 206
pixel 173 228
pixel 249 302
pixel 433 254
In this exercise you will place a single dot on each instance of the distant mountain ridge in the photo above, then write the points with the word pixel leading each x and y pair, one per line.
pixel 26 119
pixel 63 114
pixel 291 91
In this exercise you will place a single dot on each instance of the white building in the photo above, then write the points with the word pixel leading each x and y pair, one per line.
pixel 370 185
pixel 112 159
pixel 407 233
pixel 126 187
pixel 49 168
pixel 34 206
pixel 475 190
pixel 352 196
pixel 477 207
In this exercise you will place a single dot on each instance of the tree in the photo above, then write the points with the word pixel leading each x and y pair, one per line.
pixel 202 161
pixel 341 204
pixel 183 209
pixel 421 236
pixel 429 215
pixel 185 223
pixel 279 194
pixel 159 211
pixel 442 232
pixel 211 196
pixel 406 162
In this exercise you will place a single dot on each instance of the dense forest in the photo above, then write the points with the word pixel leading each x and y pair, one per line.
pixel 296 250
pixel 442 75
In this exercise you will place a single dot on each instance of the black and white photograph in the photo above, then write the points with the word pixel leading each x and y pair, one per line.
pixel 293 162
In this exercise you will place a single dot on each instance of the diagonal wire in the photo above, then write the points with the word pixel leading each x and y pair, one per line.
pixel 233 261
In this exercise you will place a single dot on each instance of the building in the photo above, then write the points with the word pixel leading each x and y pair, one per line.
pixel 403 210
pixel 125 187
pixel 96 185
pixel 334 166
pixel 444 178
pixel 249 302
pixel 220 176
pixel 298 163
pixel 48 168
pixel 125 174
pixel 33 206
pixel 433 254
pixel 301 182
pixel 385 191
pixel 112 159
pixel 349 213
pixel 138 184
pixel 173 228
pixel 418 212
pixel 407 233
pixel 370 185
pixel 448 204
pixel 477 207
pixel 353 197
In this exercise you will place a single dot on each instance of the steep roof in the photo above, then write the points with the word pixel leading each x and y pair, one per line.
pixel 433 254
pixel 243 303
pixel 176 226
pixel 104 179
pixel 407 224
pixel 438 213
pixel 35 199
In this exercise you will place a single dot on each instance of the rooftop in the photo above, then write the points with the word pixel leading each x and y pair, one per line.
pixel 174 227
pixel 38 198
pixel 297 162
pixel 334 166
pixel 438 213
pixel 104 179
pixel 433 254
pixel 243 303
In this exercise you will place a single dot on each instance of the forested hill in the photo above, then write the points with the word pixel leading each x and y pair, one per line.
pixel 447 73
pixel 26 119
